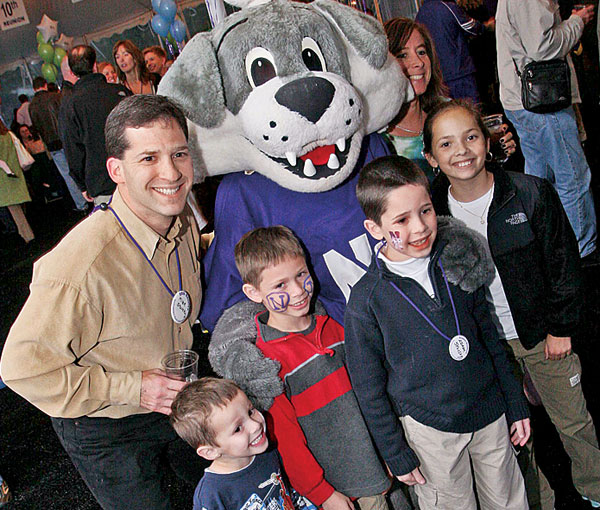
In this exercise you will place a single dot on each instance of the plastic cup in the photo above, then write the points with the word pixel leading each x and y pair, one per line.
pixel 494 124
pixel 181 365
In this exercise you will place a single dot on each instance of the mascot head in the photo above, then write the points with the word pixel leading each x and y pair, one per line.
pixel 287 90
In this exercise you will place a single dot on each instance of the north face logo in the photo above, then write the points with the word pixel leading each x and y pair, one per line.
pixel 516 219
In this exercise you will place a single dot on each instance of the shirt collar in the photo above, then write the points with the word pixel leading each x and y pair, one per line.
pixel 147 238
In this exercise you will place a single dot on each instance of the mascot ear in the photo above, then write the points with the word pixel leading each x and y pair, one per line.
pixel 363 32
pixel 375 73
pixel 194 82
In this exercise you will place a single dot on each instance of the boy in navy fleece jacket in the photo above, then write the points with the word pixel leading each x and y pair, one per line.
pixel 430 374
pixel 321 436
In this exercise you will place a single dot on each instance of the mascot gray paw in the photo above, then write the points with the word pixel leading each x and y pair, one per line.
pixel 233 354
pixel 466 259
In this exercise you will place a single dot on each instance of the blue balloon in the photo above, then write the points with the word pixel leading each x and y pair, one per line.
pixel 167 9
pixel 156 4
pixel 178 30
pixel 160 25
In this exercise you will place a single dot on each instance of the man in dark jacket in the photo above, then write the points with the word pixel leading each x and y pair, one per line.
pixel 43 110
pixel 82 118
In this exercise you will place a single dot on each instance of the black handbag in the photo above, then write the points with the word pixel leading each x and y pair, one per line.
pixel 545 86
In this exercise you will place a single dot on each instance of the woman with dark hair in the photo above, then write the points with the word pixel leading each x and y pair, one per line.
pixel 413 47
pixel 131 68
pixel 13 188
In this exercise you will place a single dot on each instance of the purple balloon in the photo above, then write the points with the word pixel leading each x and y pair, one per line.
pixel 178 30
pixel 156 4
pixel 167 9
pixel 160 25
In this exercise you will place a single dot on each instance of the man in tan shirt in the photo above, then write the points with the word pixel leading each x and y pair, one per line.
pixel 87 345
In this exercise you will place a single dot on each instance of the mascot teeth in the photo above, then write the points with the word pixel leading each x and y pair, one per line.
pixel 341 144
pixel 309 168
pixel 291 157
pixel 333 162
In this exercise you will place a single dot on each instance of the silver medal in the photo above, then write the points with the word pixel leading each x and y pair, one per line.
pixel 181 305
pixel 459 347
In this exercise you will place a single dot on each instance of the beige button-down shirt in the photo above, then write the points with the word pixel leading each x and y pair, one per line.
pixel 98 315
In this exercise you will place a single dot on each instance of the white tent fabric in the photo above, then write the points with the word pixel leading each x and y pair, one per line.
pixel 86 20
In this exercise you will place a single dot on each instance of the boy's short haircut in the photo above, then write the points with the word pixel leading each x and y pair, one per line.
pixel 193 407
pixel 381 176
pixel 264 247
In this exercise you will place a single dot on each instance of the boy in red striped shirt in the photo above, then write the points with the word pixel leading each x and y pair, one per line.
pixel 321 436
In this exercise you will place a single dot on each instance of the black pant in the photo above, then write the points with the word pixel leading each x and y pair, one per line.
pixel 123 461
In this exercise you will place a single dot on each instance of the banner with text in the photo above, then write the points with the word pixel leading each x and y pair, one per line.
pixel 12 14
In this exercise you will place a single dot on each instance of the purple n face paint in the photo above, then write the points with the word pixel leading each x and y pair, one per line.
pixel 278 301
pixel 308 285
pixel 396 241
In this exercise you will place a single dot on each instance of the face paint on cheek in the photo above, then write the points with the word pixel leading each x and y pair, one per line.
pixel 396 241
pixel 278 301
pixel 308 285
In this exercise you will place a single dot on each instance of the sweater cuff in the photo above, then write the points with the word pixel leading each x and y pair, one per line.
pixel 125 388
pixel 404 463
pixel 516 410
pixel 320 493
pixel 578 20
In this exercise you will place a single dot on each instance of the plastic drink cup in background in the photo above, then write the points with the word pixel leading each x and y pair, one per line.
pixel 181 365
pixel 494 125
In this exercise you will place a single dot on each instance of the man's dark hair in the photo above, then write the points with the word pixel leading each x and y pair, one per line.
pixel 138 111
pixel 23 98
pixel 381 176
pixel 82 59
pixel 39 82
pixel 157 50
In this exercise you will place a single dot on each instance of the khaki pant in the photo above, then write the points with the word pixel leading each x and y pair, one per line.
pixel 23 227
pixel 450 461
pixel 376 502
pixel 559 386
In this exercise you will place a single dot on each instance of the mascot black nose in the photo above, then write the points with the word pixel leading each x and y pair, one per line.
pixel 310 97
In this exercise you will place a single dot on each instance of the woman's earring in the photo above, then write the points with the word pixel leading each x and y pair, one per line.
pixel 436 170
pixel 489 157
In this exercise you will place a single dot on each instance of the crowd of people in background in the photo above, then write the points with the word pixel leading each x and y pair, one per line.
pixel 46 131
pixel 440 52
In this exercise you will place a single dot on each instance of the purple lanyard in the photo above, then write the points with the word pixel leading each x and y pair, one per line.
pixel 104 207
pixel 418 310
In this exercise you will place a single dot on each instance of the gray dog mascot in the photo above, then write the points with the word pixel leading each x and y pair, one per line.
pixel 286 98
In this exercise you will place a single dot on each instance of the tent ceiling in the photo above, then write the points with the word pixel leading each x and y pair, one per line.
pixel 74 20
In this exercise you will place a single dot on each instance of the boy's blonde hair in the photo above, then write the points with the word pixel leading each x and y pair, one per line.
pixel 193 407
pixel 264 247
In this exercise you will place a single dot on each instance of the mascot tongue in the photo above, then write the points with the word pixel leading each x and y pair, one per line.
pixel 320 155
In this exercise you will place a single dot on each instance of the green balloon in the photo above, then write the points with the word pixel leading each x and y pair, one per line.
pixel 40 38
pixel 171 39
pixel 46 51
pixel 49 72
pixel 59 54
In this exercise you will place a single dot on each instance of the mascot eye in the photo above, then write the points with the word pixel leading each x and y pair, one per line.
pixel 260 67
pixel 312 56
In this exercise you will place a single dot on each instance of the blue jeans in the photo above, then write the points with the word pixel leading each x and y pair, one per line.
pixel 60 160
pixel 552 150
